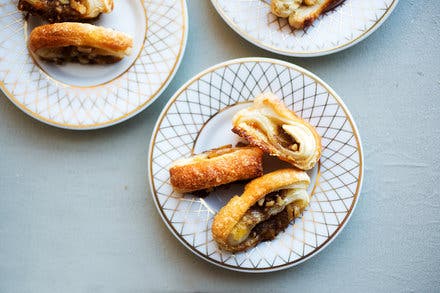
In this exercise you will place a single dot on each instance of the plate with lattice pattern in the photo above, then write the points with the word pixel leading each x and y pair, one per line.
pixel 78 96
pixel 199 117
pixel 335 30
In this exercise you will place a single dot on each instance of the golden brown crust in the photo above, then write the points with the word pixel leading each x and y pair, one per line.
pixel 226 219
pixel 215 168
pixel 79 35
pixel 261 131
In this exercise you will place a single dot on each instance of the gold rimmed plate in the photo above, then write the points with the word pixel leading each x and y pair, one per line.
pixel 77 96
pixel 337 29
pixel 198 118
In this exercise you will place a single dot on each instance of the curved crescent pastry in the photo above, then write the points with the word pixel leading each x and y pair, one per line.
pixel 216 167
pixel 66 10
pixel 270 125
pixel 86 43
pixel 266 207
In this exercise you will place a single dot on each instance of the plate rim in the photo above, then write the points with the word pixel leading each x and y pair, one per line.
pixel 238 61
pixel 126 116
pixel 310 54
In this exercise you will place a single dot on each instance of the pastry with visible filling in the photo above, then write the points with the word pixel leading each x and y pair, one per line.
pixel 79 42
pixel 270 125
pixel 266 207
pixel 216 167
pixel 66 10
pixel 301 13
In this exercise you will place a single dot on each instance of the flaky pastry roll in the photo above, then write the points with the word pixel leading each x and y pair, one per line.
pixel 79 42
pixel 270 125
pixel 66 10
pixel 266 207
pixel 216 167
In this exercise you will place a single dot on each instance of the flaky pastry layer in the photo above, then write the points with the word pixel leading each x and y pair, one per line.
pixel 233 212
pixel 270 125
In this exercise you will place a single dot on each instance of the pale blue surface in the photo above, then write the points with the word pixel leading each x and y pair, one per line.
pixel 75 215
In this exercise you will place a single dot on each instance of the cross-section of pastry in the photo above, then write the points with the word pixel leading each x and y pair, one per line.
pixel 216 167
pixel 66 10
pixel 79 42
pixel 270 125
pixel 266 207
pixel 301 13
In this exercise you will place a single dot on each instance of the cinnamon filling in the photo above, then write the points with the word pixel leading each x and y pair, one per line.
pixel 286 140
pixel 264 211
pixel 268 217
pixel 82 55
pixel 269 229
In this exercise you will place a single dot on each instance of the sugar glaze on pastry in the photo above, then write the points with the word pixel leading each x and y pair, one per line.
pixel 266 207
pixel 66 10
pixel 270 125
pixel 79 42
pixel 216 167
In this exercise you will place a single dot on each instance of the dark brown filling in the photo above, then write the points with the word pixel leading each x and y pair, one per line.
pixel 270 228
pixel 266 230
pixel 83 56
pixel 268 225
pixel 269 201
pixel 286 140
pixel 52 10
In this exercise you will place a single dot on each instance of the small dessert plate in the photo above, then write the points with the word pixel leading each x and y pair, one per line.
pixel 336 30
pixel 199 117
pixel 77 96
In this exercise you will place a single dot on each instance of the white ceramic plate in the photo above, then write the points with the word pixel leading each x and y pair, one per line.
pixel 198 118
pixel 334 31
pixel 78 96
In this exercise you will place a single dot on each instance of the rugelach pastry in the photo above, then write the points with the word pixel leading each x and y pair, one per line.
pixel 66 10
pixel 266 207
pixel 79 42
pixel 270 125
pixel 301 13
pixel 216 167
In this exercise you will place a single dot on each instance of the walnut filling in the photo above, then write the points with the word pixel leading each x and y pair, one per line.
pixel 56 10
pixel 286 140
pixel 251 227
pixel 83 55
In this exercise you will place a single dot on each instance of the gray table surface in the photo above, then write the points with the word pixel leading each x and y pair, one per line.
pixel 76 216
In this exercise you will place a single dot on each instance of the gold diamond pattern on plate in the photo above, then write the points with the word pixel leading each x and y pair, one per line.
pixel 336 29
pixel 73 107
pixel 238 81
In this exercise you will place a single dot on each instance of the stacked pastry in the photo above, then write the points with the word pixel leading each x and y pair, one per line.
pixel 62 40
pixel 269 202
